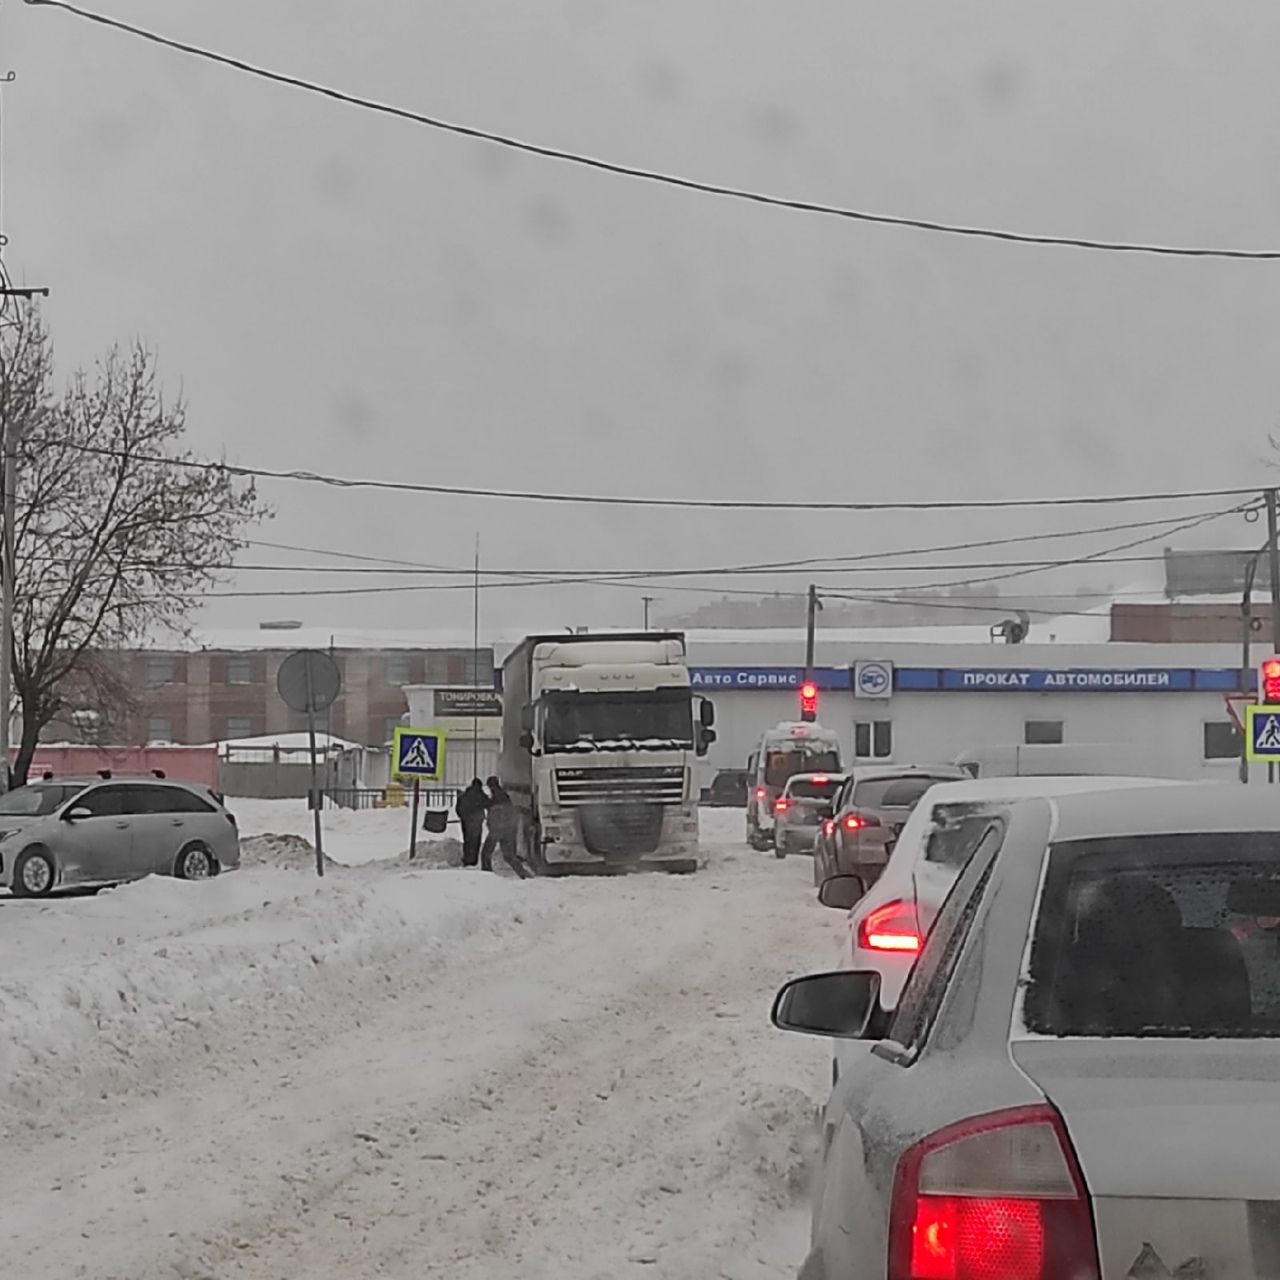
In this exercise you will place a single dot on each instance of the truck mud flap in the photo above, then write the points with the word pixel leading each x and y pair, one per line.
pixel 681 866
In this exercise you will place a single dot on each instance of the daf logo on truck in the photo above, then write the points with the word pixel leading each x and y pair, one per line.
pixel 601 735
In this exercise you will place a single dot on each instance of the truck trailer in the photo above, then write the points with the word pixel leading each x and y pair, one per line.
pixel 601 734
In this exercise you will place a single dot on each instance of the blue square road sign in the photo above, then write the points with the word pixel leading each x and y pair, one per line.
pixel 1262 733
pixel 418 753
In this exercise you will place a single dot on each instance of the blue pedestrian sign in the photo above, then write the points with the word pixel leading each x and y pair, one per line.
pixel 1262 733
pixel 417 753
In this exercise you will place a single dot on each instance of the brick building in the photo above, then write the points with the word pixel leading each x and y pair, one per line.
pixel 223 686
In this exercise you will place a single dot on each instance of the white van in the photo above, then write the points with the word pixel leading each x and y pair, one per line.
pixel 1053 760
pixel 784 751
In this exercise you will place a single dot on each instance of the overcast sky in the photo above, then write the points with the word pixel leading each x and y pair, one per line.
pixel 342 292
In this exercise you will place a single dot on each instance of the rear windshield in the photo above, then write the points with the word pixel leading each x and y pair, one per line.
pixel 1171 935
pixel 893 793
pixel 779 766
pixel 806 789
pixel 955 831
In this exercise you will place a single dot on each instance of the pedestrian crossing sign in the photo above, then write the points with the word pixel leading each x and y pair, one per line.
pixel 417 753
pixel 1262 733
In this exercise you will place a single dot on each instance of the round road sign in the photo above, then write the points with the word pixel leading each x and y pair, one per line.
pixel 309 680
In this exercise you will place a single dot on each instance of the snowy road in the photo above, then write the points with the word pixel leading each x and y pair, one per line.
pixel 404 1072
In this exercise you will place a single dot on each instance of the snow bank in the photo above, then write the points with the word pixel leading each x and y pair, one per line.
pixel 101 997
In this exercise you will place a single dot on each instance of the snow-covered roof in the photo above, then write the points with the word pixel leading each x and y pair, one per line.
pixel 287 742
pixel 290 638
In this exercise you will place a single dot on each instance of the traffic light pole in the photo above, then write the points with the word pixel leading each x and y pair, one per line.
pixel 1273 554
pixel 814 605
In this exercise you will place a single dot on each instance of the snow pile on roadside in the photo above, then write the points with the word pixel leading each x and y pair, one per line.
pixel 284 852
pixel 351 837
pixel 102 998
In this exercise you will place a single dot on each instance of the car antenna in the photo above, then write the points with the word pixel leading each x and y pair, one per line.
pixel 159 773
pixel 47 776
pixel 104 773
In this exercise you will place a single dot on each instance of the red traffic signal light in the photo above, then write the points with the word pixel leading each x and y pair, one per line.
pixel 809 700
pixel 1269 681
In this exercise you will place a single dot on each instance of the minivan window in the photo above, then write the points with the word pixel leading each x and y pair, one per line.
pixel 1168 935
pixel 780 766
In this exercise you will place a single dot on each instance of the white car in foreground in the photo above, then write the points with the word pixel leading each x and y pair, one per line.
pixel 1082 1077
pixel 888 923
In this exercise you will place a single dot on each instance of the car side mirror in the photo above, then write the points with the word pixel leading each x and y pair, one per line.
pixel 526 740
pixel 842 892
pixel 838 1005
pixel 77 815
pixel 707 714
pixel 705 738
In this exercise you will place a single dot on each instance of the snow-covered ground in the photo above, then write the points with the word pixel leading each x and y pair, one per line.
pixel 405 1070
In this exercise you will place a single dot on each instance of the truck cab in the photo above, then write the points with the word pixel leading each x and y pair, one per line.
pixel 602 761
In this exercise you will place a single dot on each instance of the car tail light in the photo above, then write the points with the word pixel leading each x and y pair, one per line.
pixel 780 805
pixel 828 827
pixel 231 817
pixel 998 1197
pixel 855 822
pixel 760 793
pixel 893 927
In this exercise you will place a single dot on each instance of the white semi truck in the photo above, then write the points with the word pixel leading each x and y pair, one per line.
pixel 600 740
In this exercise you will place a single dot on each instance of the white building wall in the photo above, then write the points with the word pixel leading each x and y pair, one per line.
pixel 1163 728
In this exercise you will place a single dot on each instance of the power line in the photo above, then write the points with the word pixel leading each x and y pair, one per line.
pixel 649 175
pixel 703 504
pixel 1103 556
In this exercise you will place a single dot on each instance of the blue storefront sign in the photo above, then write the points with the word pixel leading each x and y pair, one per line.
pixel 987 679
pixel 767 677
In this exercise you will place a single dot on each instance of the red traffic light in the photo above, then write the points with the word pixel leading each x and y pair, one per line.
pixel 809 701
pixel 1269 681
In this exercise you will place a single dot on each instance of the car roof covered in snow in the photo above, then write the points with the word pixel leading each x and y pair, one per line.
pixel 1164 810
pixel 1043 785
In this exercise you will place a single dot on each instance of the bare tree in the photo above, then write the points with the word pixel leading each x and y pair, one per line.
pixel 114 542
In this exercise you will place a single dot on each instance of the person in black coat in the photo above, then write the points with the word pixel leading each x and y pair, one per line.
pixel 471 807
pixel 504 824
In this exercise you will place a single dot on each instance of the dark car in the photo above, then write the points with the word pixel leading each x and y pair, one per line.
pixel 728 789
pixel 868 814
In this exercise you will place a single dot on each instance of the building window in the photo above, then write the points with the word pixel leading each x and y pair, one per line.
pixel 160 669
pixel 1221 740
pixel 1042 733
pixel 238 727
pixel 239 668
pixel 873 739
pixel 395 668
pixel 159 729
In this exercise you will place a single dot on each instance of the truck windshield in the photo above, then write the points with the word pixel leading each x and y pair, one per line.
pixel 654 719
pixel 781 765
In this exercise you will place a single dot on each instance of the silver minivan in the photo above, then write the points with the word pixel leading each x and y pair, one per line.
pixel 62 833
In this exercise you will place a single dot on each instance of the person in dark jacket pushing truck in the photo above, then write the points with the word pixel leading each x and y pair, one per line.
pixel 503 827
pixel 471 806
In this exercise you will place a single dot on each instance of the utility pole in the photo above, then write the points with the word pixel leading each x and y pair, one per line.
pixel 648 600
pixel 475 665
pixel 1273 553
pixel 814 605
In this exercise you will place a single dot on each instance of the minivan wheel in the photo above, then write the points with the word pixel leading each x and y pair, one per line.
pixel 195 863
pixel 34 874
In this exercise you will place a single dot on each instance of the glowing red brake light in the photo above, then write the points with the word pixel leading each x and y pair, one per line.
pixel 999 1197
pixel 892 927
pixel 828 827
pixel 780 805
pixel 820 777
pixel 853 822
pixel 760 793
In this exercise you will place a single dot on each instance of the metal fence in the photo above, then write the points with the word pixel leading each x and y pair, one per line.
pixel 375 797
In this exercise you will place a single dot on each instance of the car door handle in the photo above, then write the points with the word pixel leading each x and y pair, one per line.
pixel 122 825
pixel 176 822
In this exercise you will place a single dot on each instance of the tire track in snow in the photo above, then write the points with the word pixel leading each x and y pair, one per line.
pixel 661 1136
